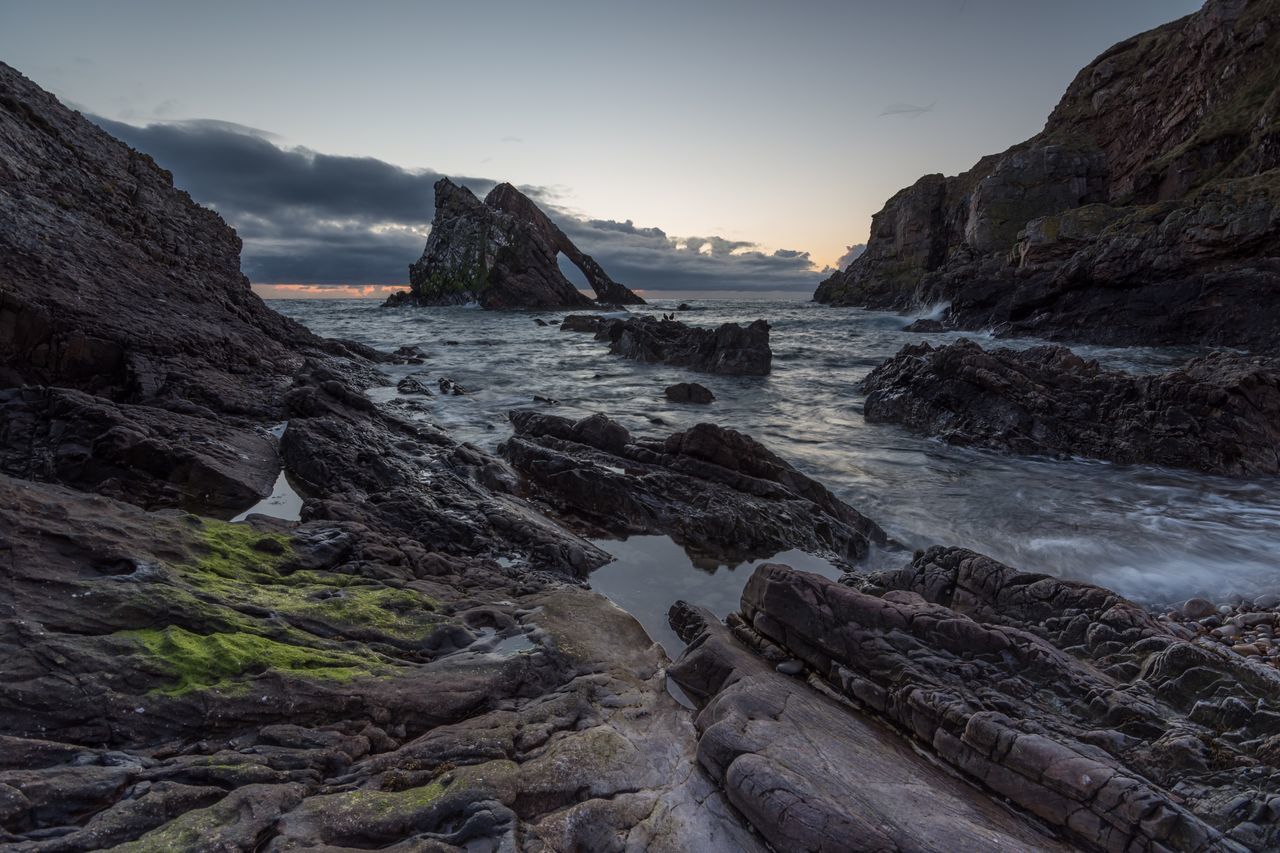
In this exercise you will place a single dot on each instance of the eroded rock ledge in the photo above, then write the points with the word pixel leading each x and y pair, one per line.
pixel 728 349
pixel 1119 731
pixel 1219 413
pixel 713 490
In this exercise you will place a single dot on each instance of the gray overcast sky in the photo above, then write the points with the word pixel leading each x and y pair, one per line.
pixel 757 122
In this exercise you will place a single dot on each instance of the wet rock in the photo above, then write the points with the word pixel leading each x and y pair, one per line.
pixel 857 786
pixel 501 253
pixel 1073 703
pixel 684 306
pixel 141 454
pixel 409 355
pixel 714 490
pixel 1198 608
pixel 448 386
pixel 689 392
pixel 925 325
pixel 414 385
pixel 581 323
pixel 728 349
pixel 1219 413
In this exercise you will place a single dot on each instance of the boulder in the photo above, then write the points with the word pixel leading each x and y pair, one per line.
pixel 716 491
pixel 1219 413
pixel 728 349
pixel 689 392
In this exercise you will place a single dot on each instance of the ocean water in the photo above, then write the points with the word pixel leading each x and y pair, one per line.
pixel 1153 534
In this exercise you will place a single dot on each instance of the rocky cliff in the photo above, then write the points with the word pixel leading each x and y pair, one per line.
pixel 1146 211
pixel 502 253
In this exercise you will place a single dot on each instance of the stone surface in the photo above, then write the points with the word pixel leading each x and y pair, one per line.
pixel 1118 730
pixel 1147 210
pixel 689 392
pixel 502 253
pixel 811 774
pixel 713 490
pixel 1219 413
pixel 727 349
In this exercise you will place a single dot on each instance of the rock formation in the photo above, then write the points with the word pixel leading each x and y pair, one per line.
pixel 713 490
pixel 1219 413
pixel 689 392
pixel 1116 730
pixel 1146 211
pixel 370 675
pixel 728 349
pixel 501 253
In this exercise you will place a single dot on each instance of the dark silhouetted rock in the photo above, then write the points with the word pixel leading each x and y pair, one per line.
pixel 689 392
pixel 715 491
pixel 729 349
pixel 1146 211
pixel 414 385
pixel 1219 413
pixel 500 253
pixel 581 323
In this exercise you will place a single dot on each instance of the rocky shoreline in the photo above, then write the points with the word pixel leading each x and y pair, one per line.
pixel 1146 212
pixel 418 663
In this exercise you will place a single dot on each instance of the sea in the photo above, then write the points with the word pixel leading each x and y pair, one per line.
pixel 1155 535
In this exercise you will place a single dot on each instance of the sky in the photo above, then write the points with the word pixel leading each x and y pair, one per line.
pixel 714 146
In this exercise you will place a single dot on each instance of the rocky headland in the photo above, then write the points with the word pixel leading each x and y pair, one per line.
pixel 1147 210
pixel 501 253
pixel 728 349
pixel 1219 413
pixel 417 663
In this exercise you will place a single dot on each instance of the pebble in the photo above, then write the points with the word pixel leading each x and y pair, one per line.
pixel 1246 649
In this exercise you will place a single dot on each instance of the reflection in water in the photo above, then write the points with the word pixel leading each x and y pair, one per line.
pixel 283 502
pixel 1153 534
pixel 650 573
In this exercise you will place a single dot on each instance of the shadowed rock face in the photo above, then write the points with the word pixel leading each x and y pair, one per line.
pixel 713 490
pixel 413 664
pixel 1220 413
pixel 501 253
pixel 728 349
pixel 1116 730
pixel 1146 211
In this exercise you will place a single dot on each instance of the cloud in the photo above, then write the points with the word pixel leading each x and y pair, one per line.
pixel 851 254
pixel 312 218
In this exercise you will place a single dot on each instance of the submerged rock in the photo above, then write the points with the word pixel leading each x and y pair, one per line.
pixel 714 490
pixel 501 253
pixel 1146 211
pixel 1219 413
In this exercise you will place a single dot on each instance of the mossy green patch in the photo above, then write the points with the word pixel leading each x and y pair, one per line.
pixel 223 660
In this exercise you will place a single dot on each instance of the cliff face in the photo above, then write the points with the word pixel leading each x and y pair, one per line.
pixel 1146 211
pixel 146 302
pixel 502 253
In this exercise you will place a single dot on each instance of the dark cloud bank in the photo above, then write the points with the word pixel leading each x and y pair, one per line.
pixel 309 218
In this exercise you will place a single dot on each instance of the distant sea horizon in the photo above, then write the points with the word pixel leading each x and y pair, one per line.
pixel 382 291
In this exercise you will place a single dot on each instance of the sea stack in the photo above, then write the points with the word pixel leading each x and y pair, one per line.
pixel 501 253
